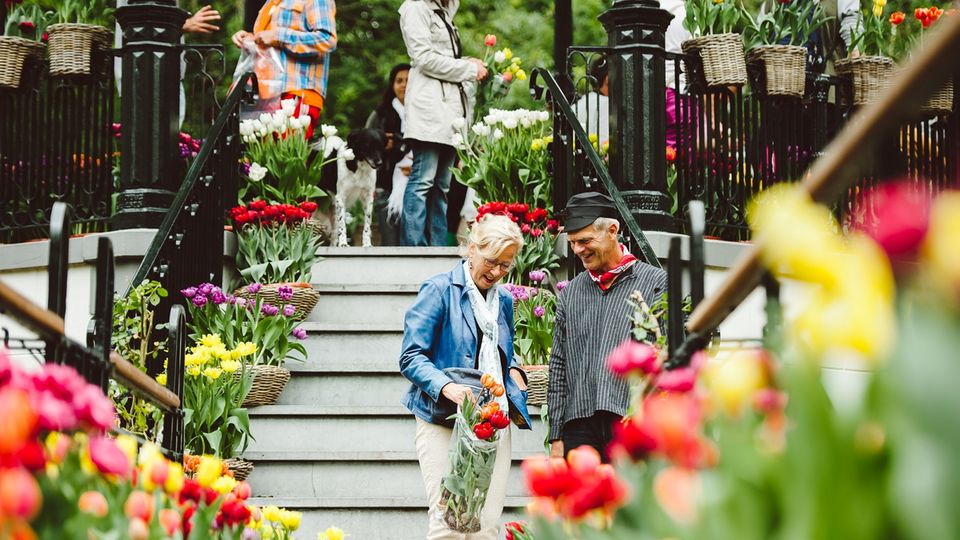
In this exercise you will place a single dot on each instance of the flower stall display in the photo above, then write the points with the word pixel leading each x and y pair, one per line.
pixel 778 41
pixel 504 156
pixel 280 164
pixel 133 339
pixel 239 321
pixel 504 68
pixel 539 238
pixel 534 317
pixel 941 101
pixel 871 71
pixel 752 446
pixel 25 26
pixel 715 52
pixel 79 33
pixel 473 450
pixel 277 247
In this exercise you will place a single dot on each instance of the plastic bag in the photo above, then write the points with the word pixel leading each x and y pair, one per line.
pixel 464 491
pixel 265 63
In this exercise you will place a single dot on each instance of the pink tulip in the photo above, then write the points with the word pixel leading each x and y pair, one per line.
pixel 93 503
pixel 159 472
pixel 633 357
pixel 490 40
pixel 94 409
pixel 139 505
pixel 108 457
pixel 896 215
pixel 137 530
pixel 170 520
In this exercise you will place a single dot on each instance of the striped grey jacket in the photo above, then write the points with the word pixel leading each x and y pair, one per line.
pixel 590 323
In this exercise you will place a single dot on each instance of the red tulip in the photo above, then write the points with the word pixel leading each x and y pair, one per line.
pixel 671 154
pixel 897 17
pixel 633 357
pixel 548 477
pixel 632 439
pixel 490 40
pixel 499 420
pixel 896 217
pixel 604 490
pixel 27 26
pixel 483 430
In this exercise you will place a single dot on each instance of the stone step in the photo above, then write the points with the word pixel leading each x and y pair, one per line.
pixel 394 520
pixel 358 479
pixel 344 389
pixel 337 351
pixel 294 428
pixel 362 307
pixel 381 265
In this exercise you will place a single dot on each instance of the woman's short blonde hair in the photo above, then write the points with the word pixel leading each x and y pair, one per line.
pixel 492 234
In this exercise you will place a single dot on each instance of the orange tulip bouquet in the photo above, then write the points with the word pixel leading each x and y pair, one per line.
pixel 473 451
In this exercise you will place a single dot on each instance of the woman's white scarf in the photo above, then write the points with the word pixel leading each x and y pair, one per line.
pixel 486 311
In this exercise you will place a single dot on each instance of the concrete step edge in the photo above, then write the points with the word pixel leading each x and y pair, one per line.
pixel 334 456
pixel 361 503
pixel 405 288
pixel 389 251
pixel 293 411
pixel 352 328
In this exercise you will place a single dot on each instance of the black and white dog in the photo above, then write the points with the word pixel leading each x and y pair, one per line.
pixel 359 157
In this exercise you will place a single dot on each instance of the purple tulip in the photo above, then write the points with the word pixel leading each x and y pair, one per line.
pixel 539 311
pixel 199 300
pixel 189 292
pixel 289 310
pixel 253 288
pixel 534 291
pixel 269 310
pixel 206 288
pixel 231 299
pixel 285 292
pixel 241 301
pixel 299 333
pixel 217 297
pixel 523 296
pixel 536 276
pixel 562 285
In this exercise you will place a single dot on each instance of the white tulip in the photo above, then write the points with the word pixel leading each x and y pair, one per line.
pixel 497 134
pixel 510 123
pixel 257 125
pixel 263 131
pixel 264 118
pixel 257 172
pixel 544 116
pixel 327 131
pixel 279 120
pixel 346 154
pixel 288 106
pixel 457 141
pixel 481 129
pixel 499 57
pixel 458 124
pixel 246 128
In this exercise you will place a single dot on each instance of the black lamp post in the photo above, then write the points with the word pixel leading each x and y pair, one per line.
pixel 637 108
pixel 149 110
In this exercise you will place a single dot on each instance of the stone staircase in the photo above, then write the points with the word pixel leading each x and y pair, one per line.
pixel 338 446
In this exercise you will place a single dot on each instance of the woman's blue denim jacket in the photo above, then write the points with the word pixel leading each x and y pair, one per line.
pixel 440 331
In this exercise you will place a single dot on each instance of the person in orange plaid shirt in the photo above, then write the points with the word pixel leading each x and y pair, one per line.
pixel 305 33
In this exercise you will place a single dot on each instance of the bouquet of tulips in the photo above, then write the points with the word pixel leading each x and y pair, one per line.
pixel 473 451
pixel 503 68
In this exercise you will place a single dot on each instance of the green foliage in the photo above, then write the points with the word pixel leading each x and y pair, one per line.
pixel 705 17
pixel 98 12
pixel 28 12
pixel 792 22
pixel 133 326
pixel 276 253
pixel 533 321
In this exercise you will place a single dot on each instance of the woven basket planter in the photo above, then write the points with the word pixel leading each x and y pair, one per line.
pixel 72 47
pixel 304 298
pixel 719 57
pixel 538 378
pixel 941 101
pixel 14 52
pixel 871 75
pixel 240 467
pixel 267 383
pixel 784 67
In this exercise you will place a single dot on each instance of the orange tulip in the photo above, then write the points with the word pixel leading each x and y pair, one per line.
pixel 487 380
pixel 20 495
pixel 897 17
pixel 93 503
pixel 170 520
pixel 139 505
pixel 497 390
pixel 19 423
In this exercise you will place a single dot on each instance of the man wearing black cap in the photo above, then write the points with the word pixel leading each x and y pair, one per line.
pixel 593 317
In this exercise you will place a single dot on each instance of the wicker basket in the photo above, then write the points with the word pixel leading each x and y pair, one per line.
pixel 240 467
pixel 267 384
pixel 941 101
pixel 72 47
pixel 784 67
pixel 719 57
pixel 304 298
pixel 14 52
pixel 538 378
pixel 871 75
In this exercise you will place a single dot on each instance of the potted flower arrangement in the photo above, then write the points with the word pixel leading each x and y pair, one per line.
pixel 473 450
pixel 505 155
pixel 539 238
pixel 25 27
pixel 275 246
pixel 533 321
pixel 779 39
pixel 236 321
pixel 870 72
pixel 941 101
pixel 715 53
pixel 79 32
pixel 504 68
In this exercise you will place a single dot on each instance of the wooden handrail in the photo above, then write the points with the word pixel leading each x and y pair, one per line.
pixel 139 381
pixel 836 169
pixel 42 321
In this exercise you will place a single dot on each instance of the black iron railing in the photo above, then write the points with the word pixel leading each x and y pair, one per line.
pixel 56 145
pixel 96 361
pixel 188 247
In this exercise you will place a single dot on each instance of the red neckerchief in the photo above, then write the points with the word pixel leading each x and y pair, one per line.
pixel 605 280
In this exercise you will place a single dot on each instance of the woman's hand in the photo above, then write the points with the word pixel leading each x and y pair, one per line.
pixel 518 378
pixel 481 68
pixel 201 22
pixel 240 37
pixel 457 392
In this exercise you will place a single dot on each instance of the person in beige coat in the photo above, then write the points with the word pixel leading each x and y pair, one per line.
pixel 440 89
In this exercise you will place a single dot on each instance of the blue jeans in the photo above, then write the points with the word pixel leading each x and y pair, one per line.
pixel 425 199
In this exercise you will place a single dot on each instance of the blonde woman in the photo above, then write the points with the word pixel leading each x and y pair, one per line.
pixel 461 319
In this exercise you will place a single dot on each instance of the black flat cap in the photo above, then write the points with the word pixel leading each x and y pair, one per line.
pixel 584 208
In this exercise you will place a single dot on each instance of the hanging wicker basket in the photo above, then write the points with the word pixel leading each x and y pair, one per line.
pixel 240 467
pixel 718 57
pixel 72 47
pixel 266 385
pixel 14 52
pixel 870 75
pixel 304 298
pixel 538 378
pixel 784 68
pixel 941 101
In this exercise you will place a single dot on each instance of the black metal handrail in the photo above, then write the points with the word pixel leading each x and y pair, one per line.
pixel 564 116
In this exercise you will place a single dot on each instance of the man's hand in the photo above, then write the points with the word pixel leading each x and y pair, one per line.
pixel 457 392
pixel 267 38
pixel 201 22
pixel 240 37
pixel 481 68
pixel 518 378
pixel 556 449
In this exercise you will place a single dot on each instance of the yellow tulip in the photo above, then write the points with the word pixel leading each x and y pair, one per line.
pixel 224 484
pixel 212 373
pixel 521 75
pixel 877 10
pixel 266 532
pixel 332 533
pixel 208 470
pixel 174 482
pixel 508 54
pixel 210 340
pixel 162 379
pixel 271 513
pixel 193 371
pixel 229 366
pixel 735 380
pixel 593 138
pixel 536 145
pixel 548 139
pixel 941 249
pixel 246 348
pixel 290 519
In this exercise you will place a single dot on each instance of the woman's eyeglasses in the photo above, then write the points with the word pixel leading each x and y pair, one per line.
pixel 504 266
